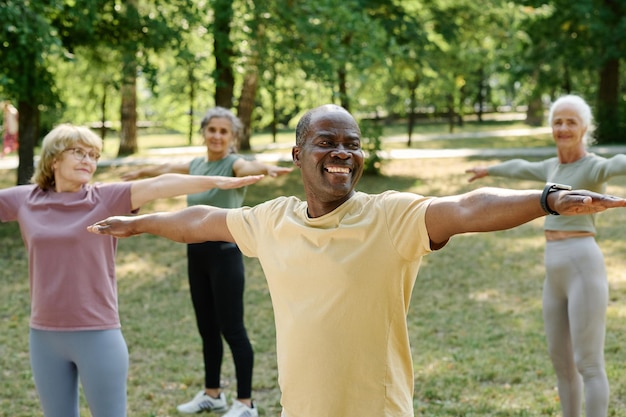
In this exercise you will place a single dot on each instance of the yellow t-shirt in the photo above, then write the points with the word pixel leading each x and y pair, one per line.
pixel 340 286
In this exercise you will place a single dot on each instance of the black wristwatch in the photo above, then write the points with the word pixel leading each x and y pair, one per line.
pixel 550 188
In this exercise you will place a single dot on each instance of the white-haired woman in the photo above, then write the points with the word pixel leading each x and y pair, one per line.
pixel 575 291
pixel 74 325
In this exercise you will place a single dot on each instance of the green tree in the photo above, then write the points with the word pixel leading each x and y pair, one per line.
pixel 332 42
pixel 34 34
pixel 138 29
pixel 608 29
pixel 253 40
pixel 409 46
pixel 578 48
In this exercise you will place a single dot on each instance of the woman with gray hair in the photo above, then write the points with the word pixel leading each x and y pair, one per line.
pixel 575 291
pixel 75 330
pixel 215 269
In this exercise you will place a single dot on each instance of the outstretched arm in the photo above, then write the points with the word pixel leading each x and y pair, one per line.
pixel 246 167
pixel 490 209
pixel 190 225
pixel 477 173
pixel 171 185
pixel 153 171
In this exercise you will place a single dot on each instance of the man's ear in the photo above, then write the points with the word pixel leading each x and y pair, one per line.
pixel 295 155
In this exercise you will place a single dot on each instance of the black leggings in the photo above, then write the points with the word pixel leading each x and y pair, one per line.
pixel 216 282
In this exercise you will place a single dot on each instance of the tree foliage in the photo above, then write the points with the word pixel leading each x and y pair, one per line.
pixel 577 48
pixel 32 37
pixel 166 61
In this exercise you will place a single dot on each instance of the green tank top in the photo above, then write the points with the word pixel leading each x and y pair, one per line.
pixel 216 197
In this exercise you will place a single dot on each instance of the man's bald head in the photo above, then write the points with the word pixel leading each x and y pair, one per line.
pixel 302 129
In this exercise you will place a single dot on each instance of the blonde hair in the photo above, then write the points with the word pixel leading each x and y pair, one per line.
pixel 59 139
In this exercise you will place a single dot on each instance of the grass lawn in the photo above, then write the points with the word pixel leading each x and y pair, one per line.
pixel 474 322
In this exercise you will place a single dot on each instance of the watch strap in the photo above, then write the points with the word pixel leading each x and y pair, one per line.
pixel 550 188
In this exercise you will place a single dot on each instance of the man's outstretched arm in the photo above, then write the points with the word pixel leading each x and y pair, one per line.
pixel 190 225
pixel 490 209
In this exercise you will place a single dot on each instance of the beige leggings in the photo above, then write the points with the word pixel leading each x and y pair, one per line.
pixel 575 298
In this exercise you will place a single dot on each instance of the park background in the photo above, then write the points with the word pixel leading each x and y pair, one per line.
pixel 143 72
pixel 126 65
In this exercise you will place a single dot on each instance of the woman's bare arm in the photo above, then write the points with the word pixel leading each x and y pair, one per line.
pixel 172 185
pixel 190 225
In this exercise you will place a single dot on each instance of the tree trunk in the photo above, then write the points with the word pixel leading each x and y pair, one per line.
pixel 274 125
pixel 609 130
pixel 222 45
pixel 343 89
pixel 128 130
pixel 271 88
pixel 567 80
pixel 534 112
pixel 412 105
pixel 461 113
pixel 28 135
pixel 480 97
pixel 451 113
pixel 192 99
pixel 103 112
pixel 246 106
pixel 128 89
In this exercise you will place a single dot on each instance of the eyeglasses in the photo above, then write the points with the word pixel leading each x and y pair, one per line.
pixel 81 154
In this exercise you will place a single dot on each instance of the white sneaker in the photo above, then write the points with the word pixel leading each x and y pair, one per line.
pixel 239 409
pixel 203 402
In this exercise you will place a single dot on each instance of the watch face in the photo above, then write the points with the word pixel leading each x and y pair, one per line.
pixel 559 187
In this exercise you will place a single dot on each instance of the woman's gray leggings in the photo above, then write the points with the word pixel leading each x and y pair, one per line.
pixel 99 358
pixel 575 299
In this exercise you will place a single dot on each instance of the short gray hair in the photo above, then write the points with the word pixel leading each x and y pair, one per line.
pixel 223 113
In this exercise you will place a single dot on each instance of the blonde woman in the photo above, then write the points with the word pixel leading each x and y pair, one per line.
pixel 74 325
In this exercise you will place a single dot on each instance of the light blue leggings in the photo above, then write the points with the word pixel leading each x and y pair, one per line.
pixel 99 358
pixel 575 299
